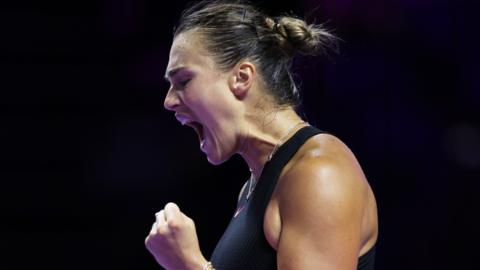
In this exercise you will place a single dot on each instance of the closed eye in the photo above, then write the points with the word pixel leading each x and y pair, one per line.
pixel 183 83
pixel 179 77
pixel 179 85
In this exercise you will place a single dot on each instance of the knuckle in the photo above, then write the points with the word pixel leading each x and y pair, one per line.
pixel 162 231
pixel 174 225
pixel 171 206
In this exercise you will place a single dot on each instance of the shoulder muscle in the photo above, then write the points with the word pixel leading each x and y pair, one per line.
pixel 321 201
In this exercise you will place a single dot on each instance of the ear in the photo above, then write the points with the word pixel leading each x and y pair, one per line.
pixel 241 79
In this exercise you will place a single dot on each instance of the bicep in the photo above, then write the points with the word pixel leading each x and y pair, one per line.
pixel 321 220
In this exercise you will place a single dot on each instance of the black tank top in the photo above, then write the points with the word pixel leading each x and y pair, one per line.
pixel 243 246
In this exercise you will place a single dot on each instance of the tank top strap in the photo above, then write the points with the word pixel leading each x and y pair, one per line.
pixel 272 169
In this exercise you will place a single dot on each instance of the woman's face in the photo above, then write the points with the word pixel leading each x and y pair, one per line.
pixel 200 96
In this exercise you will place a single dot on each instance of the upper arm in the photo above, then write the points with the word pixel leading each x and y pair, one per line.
pixel 321 207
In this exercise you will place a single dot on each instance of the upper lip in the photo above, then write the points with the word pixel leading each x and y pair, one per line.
pixel 182 118
pixel 186 120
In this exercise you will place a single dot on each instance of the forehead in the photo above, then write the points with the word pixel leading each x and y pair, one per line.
pixel 187 51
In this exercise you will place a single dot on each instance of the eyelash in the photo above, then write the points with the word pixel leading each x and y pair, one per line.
pixel 183 83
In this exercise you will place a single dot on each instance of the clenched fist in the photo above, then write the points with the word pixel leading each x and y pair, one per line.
pixel 173 240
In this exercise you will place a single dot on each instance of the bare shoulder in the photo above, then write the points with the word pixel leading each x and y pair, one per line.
pixel 323 201
pixel 326 160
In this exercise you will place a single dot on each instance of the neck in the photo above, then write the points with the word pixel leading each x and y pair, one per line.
pixel 263 136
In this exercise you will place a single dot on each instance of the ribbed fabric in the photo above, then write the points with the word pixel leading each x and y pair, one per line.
pixel 243 246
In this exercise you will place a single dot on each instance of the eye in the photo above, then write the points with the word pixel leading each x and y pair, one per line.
pixel 181 84
pixel 184 82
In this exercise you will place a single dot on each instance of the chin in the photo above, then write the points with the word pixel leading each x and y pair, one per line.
pixel 215 162
pixel 217 158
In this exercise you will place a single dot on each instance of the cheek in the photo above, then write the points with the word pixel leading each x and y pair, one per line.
pixel 194 99
pixel 210 101
pixel 215 108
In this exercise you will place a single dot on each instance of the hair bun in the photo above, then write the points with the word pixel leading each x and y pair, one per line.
pixel 295 35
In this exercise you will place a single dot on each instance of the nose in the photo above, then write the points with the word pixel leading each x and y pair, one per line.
pixel 171 100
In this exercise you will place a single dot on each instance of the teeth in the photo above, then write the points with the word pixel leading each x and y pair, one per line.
pixel 184 121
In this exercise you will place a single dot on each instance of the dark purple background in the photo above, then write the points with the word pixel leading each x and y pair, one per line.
pixel 88 154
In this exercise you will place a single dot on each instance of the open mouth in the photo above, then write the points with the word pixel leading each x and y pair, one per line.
pixel 198 129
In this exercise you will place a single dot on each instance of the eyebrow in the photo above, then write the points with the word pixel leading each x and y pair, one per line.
pixel 172 72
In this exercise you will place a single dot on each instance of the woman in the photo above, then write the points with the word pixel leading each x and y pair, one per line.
pixel 307 204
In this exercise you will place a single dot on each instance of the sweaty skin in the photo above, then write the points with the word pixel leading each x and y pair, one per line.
pixel 322 208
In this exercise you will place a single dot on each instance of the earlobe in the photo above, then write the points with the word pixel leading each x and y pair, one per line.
pixel 242 79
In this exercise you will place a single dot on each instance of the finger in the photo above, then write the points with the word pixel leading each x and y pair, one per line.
pixel 147 241
pixel 172 212
pixel 153 230
pixel 160 218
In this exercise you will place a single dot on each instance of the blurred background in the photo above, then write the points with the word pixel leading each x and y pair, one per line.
pixel 88 154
